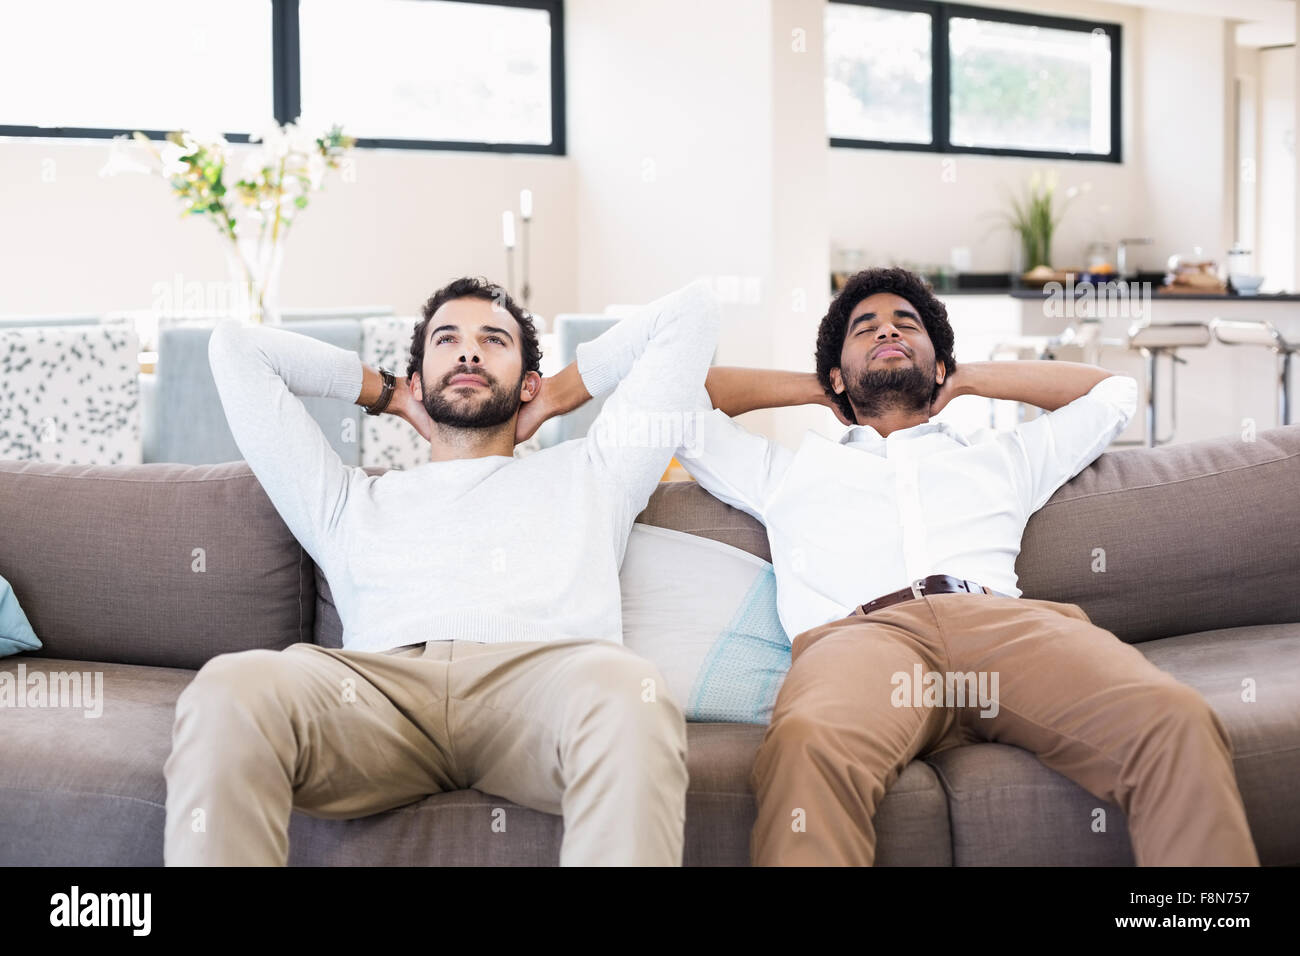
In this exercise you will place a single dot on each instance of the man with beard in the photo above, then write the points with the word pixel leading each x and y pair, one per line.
pixel 479 592
pixel 894 551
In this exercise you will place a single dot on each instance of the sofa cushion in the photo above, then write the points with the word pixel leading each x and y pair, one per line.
pixel 152 564
pixel 1264 724
pixel 16 634
pixel 704 613
pixel 90 791
pixel 1193 536
pixel 1008 808
pixel 77 790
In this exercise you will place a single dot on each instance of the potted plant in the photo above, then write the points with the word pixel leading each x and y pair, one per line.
pixel 1035 218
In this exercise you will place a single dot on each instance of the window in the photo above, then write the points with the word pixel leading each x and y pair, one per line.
pixel 429 70
pixel 954 78
pixel 168 64
pixel 878 75
pixel 422 74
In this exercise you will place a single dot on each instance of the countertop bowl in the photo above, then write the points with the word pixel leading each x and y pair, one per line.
pixel 1244 284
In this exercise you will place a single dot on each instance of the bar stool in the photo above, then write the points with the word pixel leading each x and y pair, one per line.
pixel 1152 341
pixel 1080 341
pixel 1019 348
pixel 1259 332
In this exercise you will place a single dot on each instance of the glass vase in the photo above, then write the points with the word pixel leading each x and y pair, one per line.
pixel 254 264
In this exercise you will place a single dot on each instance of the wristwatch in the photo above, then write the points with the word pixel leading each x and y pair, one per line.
pixel 390 383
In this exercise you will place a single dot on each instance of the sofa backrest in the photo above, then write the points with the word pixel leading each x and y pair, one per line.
pixel 171 565
pixel 1150 542
pixel 162 564
pixel 1153 542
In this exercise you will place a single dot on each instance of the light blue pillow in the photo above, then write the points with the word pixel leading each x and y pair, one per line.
pixel 705 614
pixel 16 634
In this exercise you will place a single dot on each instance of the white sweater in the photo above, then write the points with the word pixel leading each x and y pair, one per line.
pixel 479 549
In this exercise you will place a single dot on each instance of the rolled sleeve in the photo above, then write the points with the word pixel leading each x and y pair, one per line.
pixel 658 358
pixel 1054 447
pixel 1120 392
pixel 260 372
pixel 733 464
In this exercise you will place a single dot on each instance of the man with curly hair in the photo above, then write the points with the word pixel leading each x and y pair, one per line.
pixel 894 550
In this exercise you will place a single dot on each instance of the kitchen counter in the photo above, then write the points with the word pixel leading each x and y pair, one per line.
pixel 1219 388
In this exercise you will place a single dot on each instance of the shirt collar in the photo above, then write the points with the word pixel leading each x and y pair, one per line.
pixel 866 433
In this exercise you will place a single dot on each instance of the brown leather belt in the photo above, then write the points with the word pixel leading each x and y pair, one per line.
pixel 934 584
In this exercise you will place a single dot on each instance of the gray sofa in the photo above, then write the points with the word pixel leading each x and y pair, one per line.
pixel 143 573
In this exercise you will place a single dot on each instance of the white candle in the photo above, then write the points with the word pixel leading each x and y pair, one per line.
pixel 508 228
pixel 526 203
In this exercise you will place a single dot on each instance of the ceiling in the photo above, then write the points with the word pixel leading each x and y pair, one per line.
pixel 1262 22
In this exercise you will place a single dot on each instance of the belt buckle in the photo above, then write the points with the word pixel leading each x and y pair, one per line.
pixel 916 587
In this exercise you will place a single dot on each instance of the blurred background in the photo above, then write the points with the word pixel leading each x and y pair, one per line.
pixel 1104 182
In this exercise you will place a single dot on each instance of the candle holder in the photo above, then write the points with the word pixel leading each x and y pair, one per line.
pixel 508 234
pixel 526 218
pixel 524 290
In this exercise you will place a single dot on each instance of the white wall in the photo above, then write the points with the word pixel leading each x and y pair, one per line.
pixel 800 241
pixel 1275 253
pixel 699 148
pixel 668 136
pixel 1277 177
pixel 71 241
pixel 1185 132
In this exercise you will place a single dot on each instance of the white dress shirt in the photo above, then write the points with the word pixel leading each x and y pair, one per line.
pixel 852 520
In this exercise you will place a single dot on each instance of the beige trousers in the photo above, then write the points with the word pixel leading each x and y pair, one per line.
pixel 581 728
pixel 1088 705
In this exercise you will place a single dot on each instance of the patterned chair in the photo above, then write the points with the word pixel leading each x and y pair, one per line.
pixel 385 439
pixel 70 394
pixel 182 414
pixel 570 331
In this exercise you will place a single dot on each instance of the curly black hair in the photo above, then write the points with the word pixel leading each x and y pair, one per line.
pixel 476 288
pixel 868 282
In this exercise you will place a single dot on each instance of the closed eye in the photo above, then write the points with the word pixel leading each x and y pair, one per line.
pixel 871 328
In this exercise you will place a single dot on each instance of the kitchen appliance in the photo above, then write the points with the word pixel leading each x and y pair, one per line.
pixel 1123 266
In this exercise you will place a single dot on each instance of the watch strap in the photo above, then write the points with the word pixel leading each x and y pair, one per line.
pixel 386 395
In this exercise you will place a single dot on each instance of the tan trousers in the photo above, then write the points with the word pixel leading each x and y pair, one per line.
pixel 1088 705
pixel 580 728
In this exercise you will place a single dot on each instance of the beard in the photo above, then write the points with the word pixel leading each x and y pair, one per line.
pixel 469 410
pixel 908 388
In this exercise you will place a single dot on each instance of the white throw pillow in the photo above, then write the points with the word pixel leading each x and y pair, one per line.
pixel 705 614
